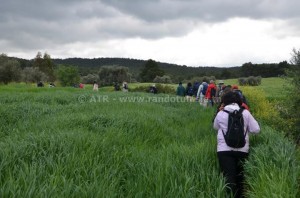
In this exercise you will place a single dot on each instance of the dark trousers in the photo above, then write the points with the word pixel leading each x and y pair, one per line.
pixel 231 164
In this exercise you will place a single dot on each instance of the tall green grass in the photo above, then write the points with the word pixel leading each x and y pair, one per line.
pixel 79 143
pixel 52 145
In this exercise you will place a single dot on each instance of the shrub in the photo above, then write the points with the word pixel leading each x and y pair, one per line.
pixel 9 69
pixel 90 78
pixel 263 109
pixel 292 108
pixel 201 79
pixel 166 89
pixel 251 81
pixel 33 74
pixel 162 79
pixel 68 76
pixel 108 75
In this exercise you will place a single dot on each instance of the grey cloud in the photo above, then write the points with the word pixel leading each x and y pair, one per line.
pixel 35 24
pixel 206 10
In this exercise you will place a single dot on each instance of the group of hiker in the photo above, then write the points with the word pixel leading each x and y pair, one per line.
pixel 207 94
pixel 233 122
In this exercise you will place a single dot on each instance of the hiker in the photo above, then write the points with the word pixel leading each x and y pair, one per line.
pixel 95 86
pixel 180 91
pixel 219 91
pixel 51 85
pixel 201 92
pixel 116 86
pixel 195 88
pixel 189 92
pixel 40 84
pixel 81 85
pixel 235 88
pixel 125 87
pixel 211 93
pixel 231 159
pixel 153 89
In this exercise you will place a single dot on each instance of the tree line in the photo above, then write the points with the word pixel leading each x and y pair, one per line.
pixel 109 70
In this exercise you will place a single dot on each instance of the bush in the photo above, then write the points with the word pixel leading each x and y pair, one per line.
pixel 108 75
pixel 264 110
pixel 68 76
pixel 166 89
pixel 90 78
pixel 201 79
pixel 9 69
pixel 33 74
pixel 293 108
pixel 162 79
pixel 250 81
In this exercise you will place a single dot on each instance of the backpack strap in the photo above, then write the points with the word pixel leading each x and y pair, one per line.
pixel 226 111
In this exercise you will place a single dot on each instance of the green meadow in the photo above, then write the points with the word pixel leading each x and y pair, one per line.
pixel 67 142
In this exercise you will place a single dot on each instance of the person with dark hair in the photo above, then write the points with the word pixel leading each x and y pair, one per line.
pixel 116 86
pixel 40 84
pixel 180 91
pixel 189 92
pixel 231 159
pixel 153 89
pixel 235 88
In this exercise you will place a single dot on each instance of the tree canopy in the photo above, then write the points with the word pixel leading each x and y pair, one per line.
pixel 150 71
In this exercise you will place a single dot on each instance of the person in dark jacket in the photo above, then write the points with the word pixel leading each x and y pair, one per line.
pixel 189 92
pixel 180 90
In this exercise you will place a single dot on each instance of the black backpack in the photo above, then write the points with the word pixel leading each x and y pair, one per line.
pixel 212 92
pixel 235 135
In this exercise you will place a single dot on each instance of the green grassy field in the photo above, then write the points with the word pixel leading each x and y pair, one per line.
pixel 67 142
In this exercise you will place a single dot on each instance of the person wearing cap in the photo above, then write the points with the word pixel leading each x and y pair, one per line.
pixel 219 91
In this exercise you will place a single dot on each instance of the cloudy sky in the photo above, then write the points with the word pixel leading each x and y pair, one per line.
pixel 186 32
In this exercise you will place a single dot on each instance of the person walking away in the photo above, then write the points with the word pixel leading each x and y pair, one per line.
pixel 231 158
pixel 81 85
pixel 201 92
pixel 153 89
pixel 180 91
pixel 219 91
pixel 189 92
pixel 195 88
pixel 211 93
pixel 235 88
pixel 125 87
pixel 95 86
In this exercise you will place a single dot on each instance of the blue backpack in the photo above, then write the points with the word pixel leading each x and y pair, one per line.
pixel 204 89
pixel 190 91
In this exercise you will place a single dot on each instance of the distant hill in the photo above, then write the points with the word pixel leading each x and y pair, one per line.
pixel 177 72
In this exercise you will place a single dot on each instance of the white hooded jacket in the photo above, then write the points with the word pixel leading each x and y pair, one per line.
pixel 221 122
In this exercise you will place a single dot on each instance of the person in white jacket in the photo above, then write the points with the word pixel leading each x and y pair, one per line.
pixel 231 159
pixel 201 93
